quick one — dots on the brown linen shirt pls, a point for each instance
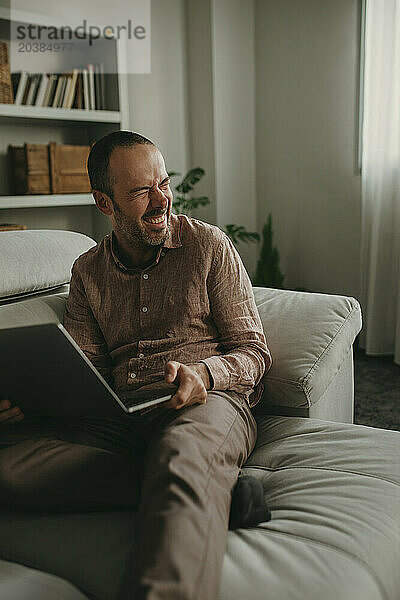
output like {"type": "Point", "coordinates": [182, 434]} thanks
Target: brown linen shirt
{"type": "Point", "coordinates": [194, 303]}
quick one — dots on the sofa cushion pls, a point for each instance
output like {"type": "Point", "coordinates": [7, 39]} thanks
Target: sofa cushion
{"type": "Point", "coordinates": [334, 494]}
{"type": "Point", "coordinates": [34, 311]}
{"type": "Point", "coordinates": [309, 336]}
{"type": "Point", "coordinates": [36, 260]}
{"type": "Point", "coordinates": [18, 582]}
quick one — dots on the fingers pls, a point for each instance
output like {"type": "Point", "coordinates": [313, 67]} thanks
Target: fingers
{"type": "Point", "coordinates": [15, 419]}
{"type": "Point", "coordinates": [4, 404]}
{"type": "Point", "coordinates": [171, 370]}
{"type": "Point", "coordinates": [9, 414]}
{"type": "Point", "coordinates": [191, 388]}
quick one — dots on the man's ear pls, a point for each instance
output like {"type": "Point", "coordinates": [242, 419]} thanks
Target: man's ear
{"type": "Point", "coordinates": [103, 202]}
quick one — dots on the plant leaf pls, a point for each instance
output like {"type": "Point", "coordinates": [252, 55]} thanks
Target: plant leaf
{"type": "Point", "coordinates": [189, 181]}
{"type": "Point", "coordinates": [237, 233]}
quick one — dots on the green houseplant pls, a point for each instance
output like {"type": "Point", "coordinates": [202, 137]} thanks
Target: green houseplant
{"type": "Point", "coordinates": [268, 273]}
{"type": "Point", "coordinates": [184, 202]}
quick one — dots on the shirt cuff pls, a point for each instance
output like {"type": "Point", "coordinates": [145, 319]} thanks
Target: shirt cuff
{"type": "Point", "coordinates": [219, 375]}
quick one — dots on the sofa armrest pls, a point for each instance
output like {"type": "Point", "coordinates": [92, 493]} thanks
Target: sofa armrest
{"type": "Point", "coordinates": [310, 337]}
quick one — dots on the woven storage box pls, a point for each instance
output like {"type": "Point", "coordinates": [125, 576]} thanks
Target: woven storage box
{"type": "Point", "coordinates": [68, 169]}
{"type": "Point", "coordinates": [29, 166]}
{"type": "Point", "coordinates": [6, 92]}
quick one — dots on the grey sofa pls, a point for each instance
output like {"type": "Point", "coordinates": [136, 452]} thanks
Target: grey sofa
{"type": "Point", "coordinates": [333, 487]}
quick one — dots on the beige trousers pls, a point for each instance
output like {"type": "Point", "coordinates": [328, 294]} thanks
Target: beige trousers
{"type": "Point", "coordinates": [176, 468]}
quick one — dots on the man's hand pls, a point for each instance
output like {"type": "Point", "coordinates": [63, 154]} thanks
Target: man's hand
{"type": "Point", "coordinates": [9, 414]}
{"type": "Point", "coordinates": [192, 381]}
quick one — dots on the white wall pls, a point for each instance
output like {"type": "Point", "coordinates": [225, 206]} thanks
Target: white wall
{"type": "Point", "coordinates": [306, 116]}
{"type": "Point", "coordinates": [201, 101]}
{"type": "Point", "coordinates": [158, 103]}
{"type": "Point", "coordinates": [234, 117]}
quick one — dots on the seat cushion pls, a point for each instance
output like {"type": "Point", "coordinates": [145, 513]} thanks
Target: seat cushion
{"type": "Point", "coordinates": [334, 494]}
{"type": "Point", "coordinates": [18, 582]}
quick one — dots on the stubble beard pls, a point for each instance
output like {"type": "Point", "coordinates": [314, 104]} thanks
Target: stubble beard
{"type": "Point", "coordinates": [135, 234]}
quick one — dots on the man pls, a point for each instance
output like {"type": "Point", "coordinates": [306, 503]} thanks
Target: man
{"type": "Point", "coordinates": [162, 302]}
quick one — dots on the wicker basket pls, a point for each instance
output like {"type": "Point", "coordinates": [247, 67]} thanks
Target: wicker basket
{"type": "Point", "coordinates": [6, 91]}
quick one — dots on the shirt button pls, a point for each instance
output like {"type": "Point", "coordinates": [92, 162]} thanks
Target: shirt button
{"type": "Point", "coordinates": [141, 355]}
{"type": "Point", "coordinates": [145, 276]}
{"type": "Point", "coordinates": [162, 253]}
{"type": "Point", "coordinates": [132, 375]}
{"type": "Point", "coordinates": [144, 309]}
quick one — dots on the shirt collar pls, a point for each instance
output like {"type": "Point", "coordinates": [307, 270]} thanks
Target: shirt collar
{"type": "Point", "coordinates": [173, 241]}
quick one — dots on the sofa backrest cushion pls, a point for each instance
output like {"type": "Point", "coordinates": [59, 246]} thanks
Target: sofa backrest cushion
{"type": "Point", "coordinates": [309, 336]}
{"type": "Point", "coordinates": [37, 261]}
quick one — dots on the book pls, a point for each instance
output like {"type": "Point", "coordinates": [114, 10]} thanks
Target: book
{"type": "Point", "coordinates": [85, 85]}
{"type": "Point", "coordinates": [27, 88]}
{"type": "Point", "coordinates": [21, 87]}
{"type": "Point", "coordinates": [42, 90]}
{"type": "Point", "coordinates": [70, 93]}
{"type": "Point", "coordinates": [64, 78]}
{"type": "Point", "coordinates": [37, 81]}
{"type": "Point", "coordinates": [48, 96]}
{"type": "Point", "coordinates": [92, 100]}
{"type": "Point", "coordinates": [102, 86]}
{"type": "Point", "coordinates": [57, 93]}
{"type": "Point", "coordinates": [97, 91]}
{"type": "Point", "coordinates": [78, 101]}
{"type": "Point", "coordinates": [66, 89]}
{"type": "Point", "coordinates": [31, 91]}
{"type": "Point", "coordinates": [15, 77]}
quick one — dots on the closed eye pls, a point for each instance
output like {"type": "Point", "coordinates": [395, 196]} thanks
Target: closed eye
{"type": "Point", "coordinates": [142, 192]}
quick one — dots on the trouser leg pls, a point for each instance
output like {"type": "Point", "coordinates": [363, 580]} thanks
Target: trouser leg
{"type": "Point", "coordinates": [40, 470]}
{"type": "Point", "coordinates": [191, 467]}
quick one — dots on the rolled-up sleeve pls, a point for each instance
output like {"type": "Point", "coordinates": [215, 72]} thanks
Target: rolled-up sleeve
{"type": "Point", "coordinates": [81, 324]}
{"type": "Point", "coordinates": [246, 357]}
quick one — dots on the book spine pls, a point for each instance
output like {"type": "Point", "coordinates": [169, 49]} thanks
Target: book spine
{"type": "Point", "coordinates": [21, 88]}
{"type": "Point", "coordinates": [72, 88]}
{"type": "Point", "coordinates": [42, 90]}
{"type": "Point", "coordinates": [26, 89]}
{"type": "Point", "coordinates": [92, 100]}
{"type": "Point", "coordinates": [38, 82]}
{"type": "Point", "coordinates": [58, 91]}
{"type": "Point", "coordinates": [102, 87]}
{"type": "Point", "coordinates": [15, 78]}
{"type": "Point", "coordinates": [85, 82]}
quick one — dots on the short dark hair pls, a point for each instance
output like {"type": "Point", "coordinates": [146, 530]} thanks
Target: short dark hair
{"type": "Point", "coordinates": [99, 157]}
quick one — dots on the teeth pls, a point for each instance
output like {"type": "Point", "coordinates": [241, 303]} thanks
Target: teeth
{"type": "Point", "coordinates": [155, 219]}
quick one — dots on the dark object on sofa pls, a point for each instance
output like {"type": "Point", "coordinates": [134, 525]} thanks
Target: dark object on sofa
{"type": "Point", "coordinates": [248, 507]}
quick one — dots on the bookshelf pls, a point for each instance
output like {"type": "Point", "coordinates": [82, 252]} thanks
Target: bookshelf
{"type": "Point", "coordinates": [42, 124]}
{"type": "Point", "coordinates": [46, 200]}
{"type": "Point", "coordinates": [48, 113]}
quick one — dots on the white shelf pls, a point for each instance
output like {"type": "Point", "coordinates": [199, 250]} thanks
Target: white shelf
{"type": "Point", "coordinates": [64, 114]}
{"type": "Point", "coordinates": [41, 201]}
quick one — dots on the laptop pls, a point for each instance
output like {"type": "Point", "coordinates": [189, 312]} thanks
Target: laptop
{"type": "Point", "coordinates": [45, 373]}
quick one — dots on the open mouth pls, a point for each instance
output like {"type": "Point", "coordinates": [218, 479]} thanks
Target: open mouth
{"type": "Point", "coordinates": [158, 222]}
{"type": "Point", "coordinates": [155, 220]}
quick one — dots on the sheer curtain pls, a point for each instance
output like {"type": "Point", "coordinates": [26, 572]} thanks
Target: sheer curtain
{"type": "Point", "coordinates": [380, 252]}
